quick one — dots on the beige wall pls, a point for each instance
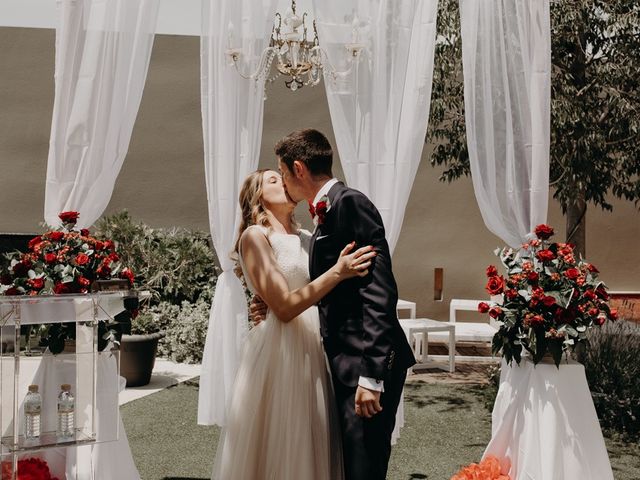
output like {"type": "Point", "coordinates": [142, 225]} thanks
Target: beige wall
{"type": "Point", "coordinates": [162, 179]}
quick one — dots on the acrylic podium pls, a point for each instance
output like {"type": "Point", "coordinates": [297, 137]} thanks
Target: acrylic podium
{"type": "Point", "coordinates": [92, 374]}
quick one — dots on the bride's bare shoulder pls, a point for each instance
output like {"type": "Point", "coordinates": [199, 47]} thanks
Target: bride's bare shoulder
{"type": "Point", "coordinates": [254, 235]}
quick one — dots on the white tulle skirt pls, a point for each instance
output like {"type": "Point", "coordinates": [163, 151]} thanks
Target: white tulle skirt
{"type": "Point", "coordinates": [282, 422]}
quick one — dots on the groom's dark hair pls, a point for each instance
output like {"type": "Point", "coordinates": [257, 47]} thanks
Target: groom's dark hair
{"type": "Point", "coordinates": [308, 146]}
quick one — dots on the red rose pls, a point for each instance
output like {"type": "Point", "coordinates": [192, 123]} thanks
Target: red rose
{"type": "Point", "coordinates": [114, 257]}
{"type": "Point", "coordinates": [544, 232]}
{"type": "Point", "coordinates": [549, 301]}
{"type": "Point", "coordinates": [613, 314]}
{"type": "Point", "coordinates": [82, 259]}
{"type": "Point", "coordinates": [572, 273]}
{"type": "Point", "coordinates": [128, 274]}
{"type": "Point", "coordinates": [545, 255]}
{"type": "Point", "coordinates": [495, 285]}
{"type": "Point", "coordinates": [511, 294]}
{"type": "Point", "coordinates": [21, 268]}
{"type": "Point", "coordinates": [109, 245]}
{"type": "Point", "coordinates": [103, 271]}
{"type": "Point", "coordinates": [56, 236]}
{"type": "Point", "coordinates": [84, 232]}
{"type": "Point", "coordinates": [34, 241]}
{"type": "Point", "coordinates": [492, 271]}
{"type": "Point", "coordinates": [60, 288]}
{"type": "Point", "coordinates": [536, 320]}
{"type": "Point", "coordinates": [592, 268]}
{"type": "Point", "coordinates": [483, 307]}
{"type": "Point", "coordinates": [83, 281]}
{"type": "Point", "coordinates": [495, 312]}
{"type": "Point", "coordinates": [533, 277]}
{"type": "Point", "coordinates": [69, 218]}
{"type": "Point", "coordinates": [594, 311]}
{"type": "Point", "coordinates": [99, 245]}
{"type": "Point", "coordinates": [589, 294]}
{"type": "Point", "coordinates": [50, 257]}
{"type": "Point", "coordinates": [36, 283]}
{"type": "Point", "coordinates": [538, 293]}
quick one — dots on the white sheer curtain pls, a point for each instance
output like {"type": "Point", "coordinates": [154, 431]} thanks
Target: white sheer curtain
{"type": "Point", "coordinates": [506, 54]}
{"type": "Point", "coordinates": [103, 49]}
{"type": "Point", "coordinates": [232, 111]}
{"type": "Point", "coordinates": [380, 110]}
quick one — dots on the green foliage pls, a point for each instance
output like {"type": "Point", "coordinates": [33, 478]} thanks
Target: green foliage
{"type": "Point", "coordinates": [595, 100]}
{"type": "Point", "coordinates": [175, 265]}
{"type": "Point", "coordinates": [186, 330]}
{"type": "Point", "coordinates": [612, 370]}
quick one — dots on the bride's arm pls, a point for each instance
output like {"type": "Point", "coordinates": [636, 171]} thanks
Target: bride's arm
{"type": "Point", "coordinates": [271, 285]}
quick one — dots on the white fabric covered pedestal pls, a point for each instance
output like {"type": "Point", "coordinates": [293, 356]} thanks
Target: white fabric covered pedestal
{"type": "Point", "coordinates": [544, 424]}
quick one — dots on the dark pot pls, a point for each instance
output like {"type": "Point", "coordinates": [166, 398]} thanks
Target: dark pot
{"type": "Point", "coordinates": [137, 357]}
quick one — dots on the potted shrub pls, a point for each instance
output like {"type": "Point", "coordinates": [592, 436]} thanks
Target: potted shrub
{"type": "Point", "coordinates": [138, 349]}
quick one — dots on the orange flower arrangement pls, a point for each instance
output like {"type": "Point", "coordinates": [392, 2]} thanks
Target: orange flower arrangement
{"type": "Point", "coordinates": [487, 469]}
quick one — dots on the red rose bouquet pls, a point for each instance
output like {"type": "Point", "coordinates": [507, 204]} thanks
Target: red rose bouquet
{"type": "Point", "coordinates": [64, 260]}
{"type": "Point", "coordinates": [28, 469]}
{"type": "Point", "coordinates": [549, 299]}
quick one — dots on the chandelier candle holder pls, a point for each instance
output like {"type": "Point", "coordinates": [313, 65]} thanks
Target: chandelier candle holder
{"type": "Point", "coordinates": [301, 60]}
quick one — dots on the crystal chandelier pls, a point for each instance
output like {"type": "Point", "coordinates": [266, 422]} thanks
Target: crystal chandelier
{"type": "Point", "coordinates": [300, 60]}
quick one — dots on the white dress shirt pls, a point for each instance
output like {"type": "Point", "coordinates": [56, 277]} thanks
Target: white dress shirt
{"type": "Point", "coordinates": [366, 382]}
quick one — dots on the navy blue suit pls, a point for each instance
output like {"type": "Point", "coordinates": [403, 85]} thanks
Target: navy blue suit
{"type": "Point", "coordinates": [360, 329]}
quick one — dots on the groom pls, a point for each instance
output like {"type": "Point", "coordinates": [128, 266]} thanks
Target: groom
{"type": "Point", "coordinates": [366, 347]}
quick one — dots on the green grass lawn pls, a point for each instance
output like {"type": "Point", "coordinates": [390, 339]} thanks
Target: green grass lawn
{"type": "Point", "coordinates": [447, 426]}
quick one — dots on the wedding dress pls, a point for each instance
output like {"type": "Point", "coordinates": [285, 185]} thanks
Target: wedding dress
{"type": "Point", "coordinates": [282, 422]}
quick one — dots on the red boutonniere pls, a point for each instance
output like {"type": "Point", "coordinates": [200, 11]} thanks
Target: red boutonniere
{"type": "Point", "coordinates": [319, 210]}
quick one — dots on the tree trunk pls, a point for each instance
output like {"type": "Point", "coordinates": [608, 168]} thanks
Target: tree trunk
{"type": "Point", "coordinates": [577, 225]}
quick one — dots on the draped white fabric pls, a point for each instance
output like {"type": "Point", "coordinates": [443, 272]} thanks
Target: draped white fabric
{"type": "Point", "coordinates": [380, 110]}
{"type": "Point", "coordinates": [103, 49]}
{"type": "Point", "coordinates": [506, 54]}
{"type": "Point", "coordinates": [232, 111]}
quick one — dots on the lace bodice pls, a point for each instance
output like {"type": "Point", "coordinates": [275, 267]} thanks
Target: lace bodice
{"type": "Point", "coordinates": [292, 255]}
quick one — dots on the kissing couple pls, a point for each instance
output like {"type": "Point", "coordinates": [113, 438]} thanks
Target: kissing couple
{"type": "Point", "coordinates": [321, 374]}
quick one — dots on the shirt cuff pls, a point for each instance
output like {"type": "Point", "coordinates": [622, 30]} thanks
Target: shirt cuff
{"type": "Point", "coordinates": [371, 384]}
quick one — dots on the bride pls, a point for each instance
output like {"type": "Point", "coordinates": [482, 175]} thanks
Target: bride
{"type": "Point", "coordinates": [281, 422]}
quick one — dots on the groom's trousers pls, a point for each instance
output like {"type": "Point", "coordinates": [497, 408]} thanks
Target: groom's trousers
{"type": "Point", "coordinates": [366, 442]}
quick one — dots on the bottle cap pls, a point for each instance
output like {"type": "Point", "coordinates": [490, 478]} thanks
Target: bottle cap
{"type": "Point", "coordinates": [33, 388]}
{"type": "Point", "coordinates": [65, 387]}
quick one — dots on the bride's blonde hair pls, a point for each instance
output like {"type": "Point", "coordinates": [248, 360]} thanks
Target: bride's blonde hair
{"type": "Point", "coordinates": [252, 210]}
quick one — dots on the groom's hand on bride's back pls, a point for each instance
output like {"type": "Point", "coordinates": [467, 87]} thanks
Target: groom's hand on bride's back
{"type": "Point", "coordinates": [257, 310]}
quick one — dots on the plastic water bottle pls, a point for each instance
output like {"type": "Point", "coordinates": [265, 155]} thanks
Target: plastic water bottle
{"type": "Point", "coordinates": [32, 409]}
{"type": "Point", "coordinates": [66, 408]}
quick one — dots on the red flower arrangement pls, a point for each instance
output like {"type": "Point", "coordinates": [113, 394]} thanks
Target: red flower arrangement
{"type": "Point", "coordinates": [549, 299]}
{"type": "Point", "coordinates": [28, 469]}
{"type": "Point", "coordinates": [487, 469]}
{"type": "Point", "coordinates": [63, 261]}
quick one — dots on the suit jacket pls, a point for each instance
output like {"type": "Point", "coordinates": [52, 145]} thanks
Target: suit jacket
{"type": "Point", "coordinates": [358, 320]}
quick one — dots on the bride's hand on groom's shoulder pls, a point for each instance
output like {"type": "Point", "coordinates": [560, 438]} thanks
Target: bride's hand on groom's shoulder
{"type": "Point", "coordinates": [354, 264]}
{"type": "Point", "coordinates": [257, 310]}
